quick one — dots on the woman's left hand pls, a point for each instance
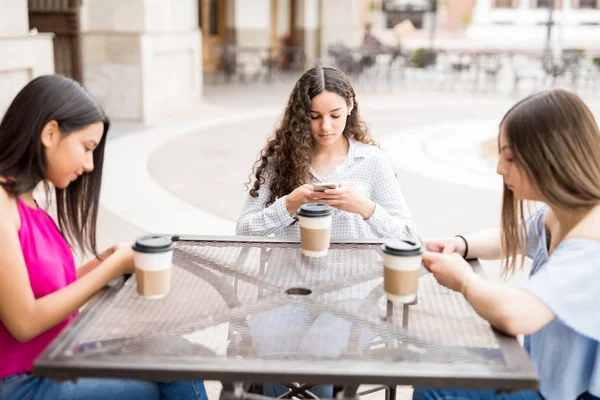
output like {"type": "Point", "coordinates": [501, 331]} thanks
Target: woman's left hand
{"type": "Point", "coordinates": [347, 198]}
{"type": "Point", "coordinates": [450, 270]}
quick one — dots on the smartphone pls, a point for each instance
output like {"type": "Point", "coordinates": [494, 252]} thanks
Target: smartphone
{"type": "Point", "coordinates": [321, 187]}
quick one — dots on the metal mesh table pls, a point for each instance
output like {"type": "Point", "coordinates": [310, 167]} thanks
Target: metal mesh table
{"type": "Point", "coordinates": [256, 309]}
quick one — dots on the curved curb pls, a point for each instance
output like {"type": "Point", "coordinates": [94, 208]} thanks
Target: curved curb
{"type": "Point", "coordinates": [130, 192]}
{"type": "Point", "coordinates": [446, 151]}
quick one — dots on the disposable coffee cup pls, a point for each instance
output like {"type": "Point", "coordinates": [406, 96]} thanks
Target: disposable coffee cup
{"type": "Point", "coordinates": [401, 264]}
{"type": "Point", "coordinates": [152, 260]}
{"type": "Point", "coordinates": [315, 228]}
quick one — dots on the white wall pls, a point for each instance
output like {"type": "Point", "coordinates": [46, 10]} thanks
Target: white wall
{"type": "Point", "coordinates": [112, 16]}
{"type": "Point", "coordinates": [23, 56]}
{"type": "Point", "coordinates": [142, 58]}
{"type": "Point", "coordinates": [13, 17]}
{"type": "Point", "coordinates": [253, 14]}
{"type": "Point", "coordinates": [139, 16]}
{"type": "Point", "coordinates": [341, 22]}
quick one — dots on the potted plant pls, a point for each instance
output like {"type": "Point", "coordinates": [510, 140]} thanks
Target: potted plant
{"type": "Point", "coordinates": [422, 57]}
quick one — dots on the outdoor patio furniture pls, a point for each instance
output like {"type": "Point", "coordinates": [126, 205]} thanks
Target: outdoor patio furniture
{"type": "Point", "coordinates": [527, 68]}
{"type": "Point", "coordinates": [251, 309]}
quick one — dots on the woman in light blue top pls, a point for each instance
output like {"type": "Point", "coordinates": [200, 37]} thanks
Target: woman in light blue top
{"type": "Point", "coordinates": [549, 152]}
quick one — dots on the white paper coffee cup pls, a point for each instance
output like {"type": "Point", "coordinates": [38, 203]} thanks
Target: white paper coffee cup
{"type": "Point", "coordinates": [153, 257]}
{"type": "Point", "coordinates": [402, 263]}
{"type": "Point", "coordinates": [315, 229]}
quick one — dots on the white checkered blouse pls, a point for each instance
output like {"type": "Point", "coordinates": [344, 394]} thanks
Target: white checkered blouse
{"type": "Point", "coordinates": [365, 166]}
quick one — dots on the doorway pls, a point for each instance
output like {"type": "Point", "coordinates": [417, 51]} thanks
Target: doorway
{"type": "Point", "coordinates": [211, 16]}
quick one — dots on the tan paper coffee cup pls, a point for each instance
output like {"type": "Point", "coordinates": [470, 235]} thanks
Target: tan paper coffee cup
{"type": "Point", "coordinates": [153, 256]}
{"type": "Point", "coordinates": [315, 228]}
{"type": "Point", "coordinates": [401, 264]}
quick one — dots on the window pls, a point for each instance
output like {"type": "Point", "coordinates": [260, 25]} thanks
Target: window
{"type": "Point", "coordinates": [587, 4]}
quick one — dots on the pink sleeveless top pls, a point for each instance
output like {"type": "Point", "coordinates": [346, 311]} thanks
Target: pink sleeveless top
{"type": "Point", "coordinates": [51, 266]}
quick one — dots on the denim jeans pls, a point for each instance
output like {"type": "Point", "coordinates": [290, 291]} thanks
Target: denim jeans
{"type": "Point", "coordinates": [321, 391]}
{"type": "Point", "coordinates": [27, 386]}
{"type": "Point", "coordinates": [458, 394]}
{"type": "Point", "coordinates": [444, 394]}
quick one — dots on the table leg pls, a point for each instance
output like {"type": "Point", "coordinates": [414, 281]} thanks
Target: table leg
{"type": "Point", "coordinates": [391, 392]}
{"type": "Point", "coordinates": [303, 390]}
{"type": "Point", "coordinates": [405, 308]}
{"type": "Point", "coordinates": [350, 392]}
{"type": "Point", "coordinates": [232, 390]}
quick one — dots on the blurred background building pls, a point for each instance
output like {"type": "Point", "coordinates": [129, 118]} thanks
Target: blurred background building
{"type": "Point", "coordinates": [142, 58]}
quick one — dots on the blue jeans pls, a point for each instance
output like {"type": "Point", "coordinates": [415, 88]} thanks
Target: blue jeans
{"type": "Point", "coordinates": [432, 394]}
{"type": "Point", "coordinates": [451, 394]}
{"type": "Point", "coordinates": [27, 386]}
{"type": "Point", "coordinates": [321, 391]}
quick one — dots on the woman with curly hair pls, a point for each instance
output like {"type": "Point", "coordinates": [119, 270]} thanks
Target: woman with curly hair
{"type": "Point", "coordinates": [322, 138]}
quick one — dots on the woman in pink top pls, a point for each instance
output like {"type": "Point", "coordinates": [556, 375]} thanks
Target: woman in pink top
{"type": "Point", "coordinates": [54, 132]}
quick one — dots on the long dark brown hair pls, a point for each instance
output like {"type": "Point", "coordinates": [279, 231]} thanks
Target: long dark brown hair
{"type": "Point", "coordinates": [555, 142]}
{"type": "Point", "coordinates": [290, 149]}
{"type": "Point", "coordinates": [23, 157]}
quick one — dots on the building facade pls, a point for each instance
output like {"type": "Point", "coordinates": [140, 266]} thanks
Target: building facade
{"type": "Point", "coordinates": [142, 58]}
{"type": "Point", "coordinates": [312, 25]}
{"type": "Point", "coordinates": [523, 23]}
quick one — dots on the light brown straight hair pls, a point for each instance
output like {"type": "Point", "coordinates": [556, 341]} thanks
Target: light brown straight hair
{"type": "Point", "coordinates": [555, 142]}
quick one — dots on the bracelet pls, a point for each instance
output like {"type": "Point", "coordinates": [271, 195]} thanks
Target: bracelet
{"type": "Point", "coordinates": [465, 284]}
{"type": "Point", "coordinates": [466, 245]}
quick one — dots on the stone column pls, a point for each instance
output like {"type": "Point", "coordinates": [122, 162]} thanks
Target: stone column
{"type": "Point", "coordinates": [23, 55]}
{"type": "Point", "coordinates": [142, 58]}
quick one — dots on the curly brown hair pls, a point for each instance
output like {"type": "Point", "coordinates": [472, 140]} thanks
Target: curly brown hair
{"type": "Point", "coordinates": [287, 155]}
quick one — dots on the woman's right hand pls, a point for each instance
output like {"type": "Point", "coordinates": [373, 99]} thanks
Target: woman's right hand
{"type": "Point", "coordinates": [446, 246]}
{"type": "Point", "coordinates": [123, 252]}
{"type": "Point", "coordinates": [299, 196]}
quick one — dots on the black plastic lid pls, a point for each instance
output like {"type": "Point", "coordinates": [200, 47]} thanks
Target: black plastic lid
{"type": "Point", "coordinates": [153, 244]}
{"type": "Point", "coordinates": [312, 210]}
{"type": "Point", "coordinates": [404, 248]}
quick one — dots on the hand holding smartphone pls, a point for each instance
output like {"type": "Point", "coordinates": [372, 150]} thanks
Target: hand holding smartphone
{"type": "Point", "coordinates": [321, 187]}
